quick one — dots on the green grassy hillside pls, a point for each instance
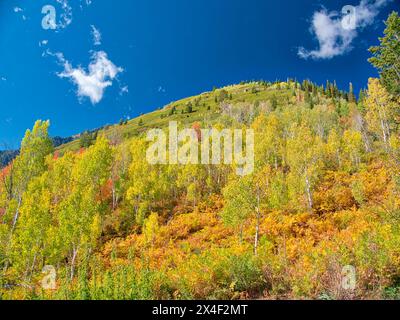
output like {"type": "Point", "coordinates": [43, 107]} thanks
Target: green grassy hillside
{"type": "Point", "coordinates": [204, 107]}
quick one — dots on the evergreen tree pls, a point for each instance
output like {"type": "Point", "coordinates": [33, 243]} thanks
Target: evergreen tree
{"type": "Point", "coordinates": [87, 139]}
{"type": "Point", "coordinates": [386, 56]}
{"type": "Point", "coordinates": [328, 89]}
{"type": "Point", "coordinates": [189, 107]}
{"type": "Point", "coordinates": [274, 102]}
{"type": "Point", "coordinates": [172, 111]}
{"type": "Point", "coordinates": [352, 97]}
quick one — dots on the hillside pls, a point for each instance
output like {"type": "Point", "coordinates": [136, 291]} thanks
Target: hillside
{"type": "Point", "coordinates": [6, 156]}
{"type": "Point", "coordinates": [323, 196]}
{"type": "Point", "coordinates": [284, 186]}
{"type": "Point", "coordinates": [315, 215]}
{"type": "Point", "coordinates": [205, 106]}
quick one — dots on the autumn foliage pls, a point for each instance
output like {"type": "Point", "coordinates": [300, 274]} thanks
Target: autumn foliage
{"type": "Point", "coordinates": [324, 195]}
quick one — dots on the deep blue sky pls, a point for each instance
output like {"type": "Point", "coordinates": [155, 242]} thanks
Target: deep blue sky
{"type": "Point", "coordinates": [168, 50]}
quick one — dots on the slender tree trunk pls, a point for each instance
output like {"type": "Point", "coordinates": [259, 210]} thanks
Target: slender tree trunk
{"type": "Point", "coordinates": [32, 267]}
{"type": "Point", "coordinates": [74, 255]}
{"type": "Point", "coordinates": [366, 141]}
{"type": "Point", "coordinates": [16, 216]}
{"type": "Point", "coordinates": [114, 198]}
{"type": "Point", "coordinates": [384, 133]}
{"type": "Point", "coordinates": [384, 126]}
{"type": "Point", "coordinates": [256, 237]}
{"type": "Point", "coordinates": [15, 220]}
{"type": "Point", "coordinates": [309, 195]}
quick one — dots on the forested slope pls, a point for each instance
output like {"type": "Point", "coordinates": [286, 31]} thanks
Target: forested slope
{"type": "Point", "coordinates": [323, 197]}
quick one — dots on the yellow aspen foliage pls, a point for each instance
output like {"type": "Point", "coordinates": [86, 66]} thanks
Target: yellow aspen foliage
{"type": "Point", "coordinates": [382, 111]}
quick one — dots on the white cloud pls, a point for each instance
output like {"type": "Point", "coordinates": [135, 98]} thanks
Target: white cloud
{"type": "Point", "coordinates": [124, 89]}
{"type": "Point", "coordinates": [96, 36]}
{"type": "Point", "coordinates": [86, 2]}
{"type": "Point", "coordinates": [92, 83]}
{"type": "Point", "coordinates": [333, 38]}
{"type": "Point", "coordinates": [3, 79]}
{"type": "Point", "coordinates": [43, 43]}
{"type": "Point", "coordinates": [67, 12]}
{"type": "Point", "coordinates": [20, 11]}
{"type": "Point", "coordinates": [66, 15]}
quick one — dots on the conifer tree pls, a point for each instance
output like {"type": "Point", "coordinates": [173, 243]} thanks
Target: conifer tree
{"type": "Point", "coordinates": [386, 56]}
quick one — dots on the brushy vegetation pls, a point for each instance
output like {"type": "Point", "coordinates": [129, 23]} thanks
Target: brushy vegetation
{"type": "Point", "coordinates": [325, 193]}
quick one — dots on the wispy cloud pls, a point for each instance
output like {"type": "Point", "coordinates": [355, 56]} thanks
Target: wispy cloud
{"type": "Point", "coordinates": [335, 40]}
{"type": "Point", "coordinates": [19, 10]}
{"type": "Point", "coordinates": [43, 43]}
{"type": "Point", "coordinates": [66, 15]}
{"type": "Point", "coordinates": [124, 90]}
{"type": "Point", "coordinates": [93, 82]}
{"type": "Point", "coordinates": [96, 36]}
{"type": "Point", "coordinates": [86, 2]}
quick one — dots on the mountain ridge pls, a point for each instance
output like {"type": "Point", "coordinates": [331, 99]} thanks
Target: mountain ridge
{"type": "Point", "coordinates": [208, 104]}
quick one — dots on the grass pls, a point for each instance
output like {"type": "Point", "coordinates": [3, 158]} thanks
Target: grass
{"type": "Point", "coordinates": [206, 108]}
